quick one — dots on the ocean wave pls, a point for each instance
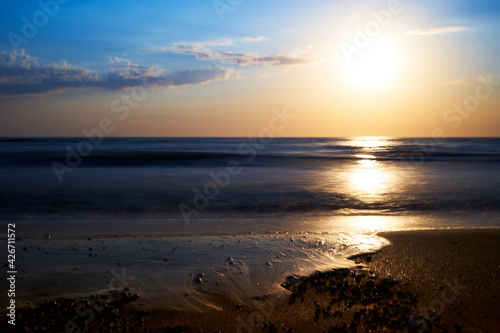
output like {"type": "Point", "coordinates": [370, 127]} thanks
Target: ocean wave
{"type": "Point", "coordinates": [156, 175]}
{"type": "Point", "coordinates": [151, 158]}
{"type": "Point", "coordinates": [127, 202]}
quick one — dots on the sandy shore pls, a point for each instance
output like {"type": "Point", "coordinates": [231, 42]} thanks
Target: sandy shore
{"type": "Point", "coordinates": [440, 280]}
{"type": "Point", "coordinates": [457, 272]}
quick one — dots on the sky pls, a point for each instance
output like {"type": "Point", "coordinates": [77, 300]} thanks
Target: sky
{"type": "Point", "coordinates": [224, 68]}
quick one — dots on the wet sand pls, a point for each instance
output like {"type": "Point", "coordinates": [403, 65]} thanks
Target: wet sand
{"type": "Point", "coordinates": [440, 280]}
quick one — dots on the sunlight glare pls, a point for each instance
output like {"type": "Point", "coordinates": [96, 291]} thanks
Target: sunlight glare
{"type": "Point", "coordinates": [368, 180]}
{"type": "Point", "coordinates": [374, 68]}
{"type": "Point", "coordinates": [369, 143]}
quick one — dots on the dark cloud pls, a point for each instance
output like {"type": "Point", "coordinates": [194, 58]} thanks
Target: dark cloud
{"type": "Point", "coordinates": [21, 74]}
{"type": "Point", "coordinates": [200, 76]}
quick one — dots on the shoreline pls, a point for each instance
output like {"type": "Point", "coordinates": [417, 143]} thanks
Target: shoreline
{"type": "Point", "coordinates": [454, 272]}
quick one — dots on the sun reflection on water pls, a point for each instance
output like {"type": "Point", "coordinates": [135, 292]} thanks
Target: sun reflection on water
{"type": "Point", "coordinates": [365, 175]}
{"type": "Point", "coordinates": [372, 222]}
{"type": "Point", "coordinates": [369, 143]}
{"type": "Point", "coordinates": [369, 178]}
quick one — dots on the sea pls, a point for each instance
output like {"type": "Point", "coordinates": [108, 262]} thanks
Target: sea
{"type": "Point", "coordinates": [185, 218]}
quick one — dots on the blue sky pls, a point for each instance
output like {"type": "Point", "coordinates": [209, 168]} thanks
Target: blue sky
{"type": "Point", "coordinates": [263, 54]}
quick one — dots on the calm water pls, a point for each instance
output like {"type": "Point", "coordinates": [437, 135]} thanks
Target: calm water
{"type": "Point", "coordinates": [154, 176]}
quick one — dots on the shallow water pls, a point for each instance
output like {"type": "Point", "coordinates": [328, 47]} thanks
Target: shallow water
{"type": "Point", "coordinates": [164, 270]}
{"type": "Point", "coordinates": [163, 258]}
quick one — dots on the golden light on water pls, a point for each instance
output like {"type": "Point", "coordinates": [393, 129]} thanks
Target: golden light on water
{"type": "Point", "coordinates": [371, 222]}
{"type": "Point", "coordinates": [365, 156]}
{"type": "Point", "coordinates": [369, 143]}
{"type": "Point", "coordinates": [366, 178]}
{"type": "Point", "coordinates": [369, 179]}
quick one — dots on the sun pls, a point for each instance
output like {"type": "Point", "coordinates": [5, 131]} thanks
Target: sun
{"type": "Point", "coordinates": [374, 68]}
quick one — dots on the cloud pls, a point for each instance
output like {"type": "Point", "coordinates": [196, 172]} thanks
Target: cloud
{"type": "Point", "coordinates": [200, 51]}
{"type": "Point", "coordinates": [21, 74]}
{"type": "Point", "coordinates": [493, 79]}
{"type": "Point", "coordinates": [247, 59]}
{"type": "Point", "coordinates": [435, 31]}
{"type": "Point", "coordinates": [217, 42]}
{"type": "Point", "coordinates": [201, 76]}
{"type": "Point", "coordinates": [254, 38]}
{"type": "Point", "coordinates": [117, 59]}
